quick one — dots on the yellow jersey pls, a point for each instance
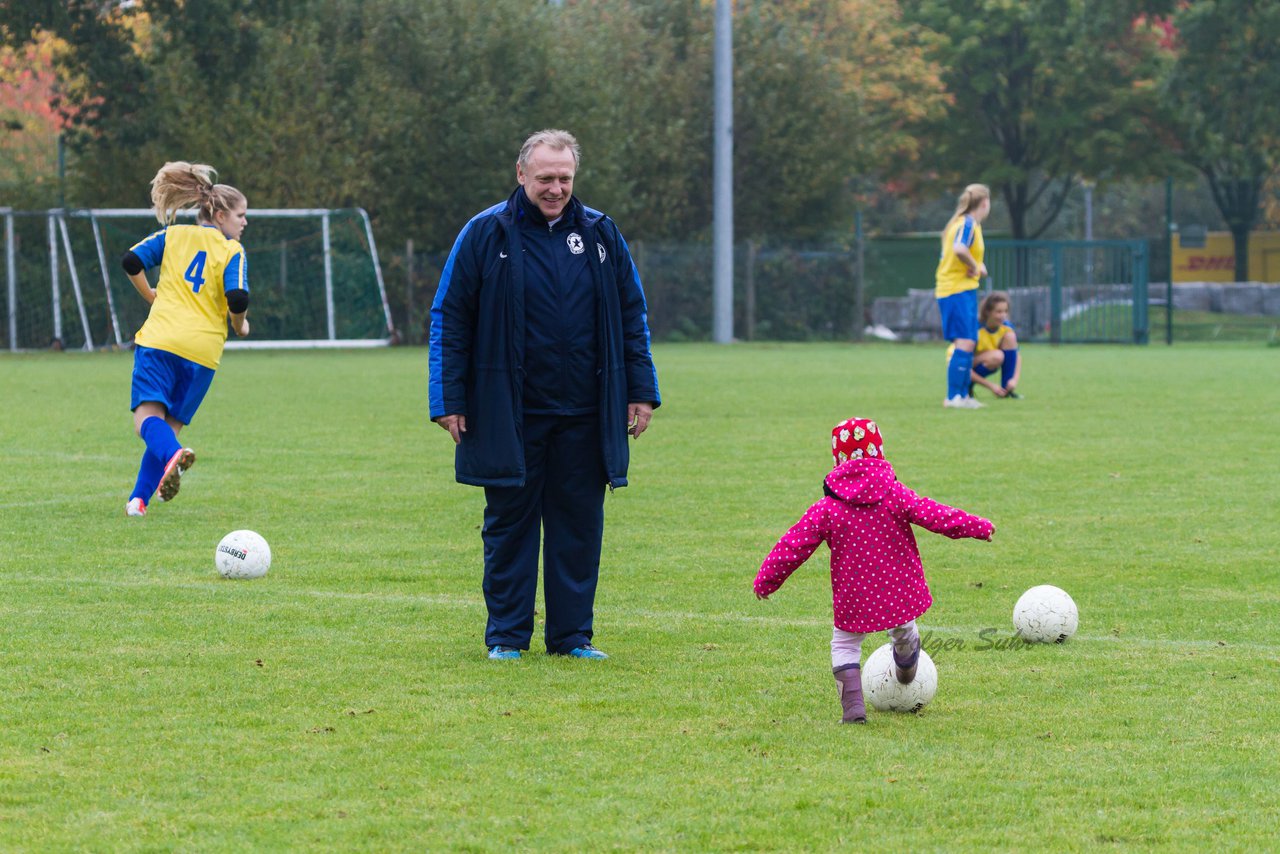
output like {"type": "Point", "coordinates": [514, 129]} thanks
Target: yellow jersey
{"type": "Point", "coordinates": [987, 340]}
{"type": "Point", "coordinates": [198, 265]}
{"type": "Point", "coordinates": [953, 276]}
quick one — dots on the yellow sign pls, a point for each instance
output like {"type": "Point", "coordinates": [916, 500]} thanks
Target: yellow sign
{"type": "Point", "coordinates": [1215, 261]}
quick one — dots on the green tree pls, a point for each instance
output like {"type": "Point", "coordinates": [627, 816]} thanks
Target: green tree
{"type": "Point", "coordinates": [828, 91]}
{"type": "Point", "coordinates": [415, 108]}
{"type": "Point", "coordinates": [823, 90]}
{"type": "Point", "coordinates": [1045, 92]}
{"type": "Point", "coordinates": [1223, 89]}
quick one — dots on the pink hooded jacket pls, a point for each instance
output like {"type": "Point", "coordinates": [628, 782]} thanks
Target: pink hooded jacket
{"type": "Point", "coordinates": [877, 580]}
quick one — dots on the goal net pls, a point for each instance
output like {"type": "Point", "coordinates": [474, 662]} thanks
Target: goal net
{"type": "Point", "coordinates": [314, 275]}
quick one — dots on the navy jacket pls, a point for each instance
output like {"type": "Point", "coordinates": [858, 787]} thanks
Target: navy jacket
{"type": "Point", "coordinates": [561, 314]}
{"type": "Point", "coordinates": [477, 345]}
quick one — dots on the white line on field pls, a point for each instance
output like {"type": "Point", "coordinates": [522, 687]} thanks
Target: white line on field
{"type": "Point", "coordinates": [65, 499]}
{"type": "Point", "coordinates": [77, 457]}
{"type": "Point", "coordinates": [966, 633]}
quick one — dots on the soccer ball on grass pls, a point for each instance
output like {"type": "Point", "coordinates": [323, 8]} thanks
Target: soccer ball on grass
{"type": "Point", "coordinates": [242, 554]}
{"type": "Point", "coordinates": [1045, 614]}
{"type": "Point", "coordinates": [884, 692]}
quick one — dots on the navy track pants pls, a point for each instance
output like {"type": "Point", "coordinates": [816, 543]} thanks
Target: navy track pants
{"type": "Point", "coordinates": [561, 502]}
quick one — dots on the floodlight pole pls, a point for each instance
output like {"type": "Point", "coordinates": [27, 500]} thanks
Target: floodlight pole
{"type": "Point", "coordinates": [1169, 228]}
{"type": "Point", "coordinates": [11, 268]}
{"type": "Point", "coordinates": [722, 321]}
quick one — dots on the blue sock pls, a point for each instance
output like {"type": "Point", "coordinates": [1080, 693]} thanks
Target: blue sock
{"type": "Point", "coordinates": [161, 441]}
{"type": "Point", "coordinates": [149, 473]}
{"type": "Point", "coordinates": [982, 370]}
{"type": "Point", "coordinates": [1009, 367]}
{"type": "Point", "coordinates": [958, 373]}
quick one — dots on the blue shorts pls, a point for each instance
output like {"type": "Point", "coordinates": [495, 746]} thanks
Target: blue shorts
{"type": "Point", "coordinates": [960, 315]}
{"type": "Point", "coordinates": [161, 377]}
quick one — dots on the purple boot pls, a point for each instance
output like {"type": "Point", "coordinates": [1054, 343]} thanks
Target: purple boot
{"type": "Point", "coordinates": [905, 667]}
{"type": "Point", "coordinates": [849, 681]}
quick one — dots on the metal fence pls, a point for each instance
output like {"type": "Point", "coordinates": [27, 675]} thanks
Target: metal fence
{"type": "Point", "coordinates": [1074, 291]}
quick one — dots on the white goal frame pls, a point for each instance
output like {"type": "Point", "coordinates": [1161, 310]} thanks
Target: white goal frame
{"type": "Point", "coordinates": [58, 234]}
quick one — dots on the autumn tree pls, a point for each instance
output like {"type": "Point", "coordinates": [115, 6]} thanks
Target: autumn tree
{"type": "Point", "coordinates": [825, 91]}
{"type": "Point", "coordinates": [29, 123]}
{"type": "Point", "coordinates": [99, 93]}
{"type": "Point", "coordinates": [1046, 92]}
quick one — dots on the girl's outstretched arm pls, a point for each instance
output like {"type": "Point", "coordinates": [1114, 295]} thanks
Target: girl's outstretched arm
{"type": "Point", "coordinates": [949, 521]}
{"type": "Point", "coordinates": [791, 551]}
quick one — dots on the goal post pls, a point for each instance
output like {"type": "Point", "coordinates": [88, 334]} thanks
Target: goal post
{"type": "Point", "coordinates": [314, 274]}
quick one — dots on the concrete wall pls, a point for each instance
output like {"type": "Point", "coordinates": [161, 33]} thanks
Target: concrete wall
{"type": "Point", "coordinates": [917, 313]}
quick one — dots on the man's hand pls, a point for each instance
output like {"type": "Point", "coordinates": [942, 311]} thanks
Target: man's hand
{"type": "Point", "coordinates": [240, 323]}
{"type": "Point", "coordinates": [455, 425]}
{"type": "Point", "coordinates": [638, 416]}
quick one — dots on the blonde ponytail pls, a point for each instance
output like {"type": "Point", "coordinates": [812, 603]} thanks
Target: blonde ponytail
{"type": "Point", "coordinates": [180, 185]}
{"type": "Point", "coordinates": [970, 199]}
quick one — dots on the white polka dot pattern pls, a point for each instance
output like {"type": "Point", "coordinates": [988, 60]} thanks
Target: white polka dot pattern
{"type": "Point", "coordinates": [877, 580]}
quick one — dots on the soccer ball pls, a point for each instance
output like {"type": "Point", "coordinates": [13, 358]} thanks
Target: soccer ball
{"type": "Point", "coordinates": [1045, 614]}
{"type": "Point", "coordinates": [882, 689]}
{"type": "Point", "coordinates": [242, 554]}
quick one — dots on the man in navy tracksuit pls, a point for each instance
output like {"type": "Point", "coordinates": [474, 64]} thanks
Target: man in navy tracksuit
{"type": "Point", "coordinates": [540, 367]}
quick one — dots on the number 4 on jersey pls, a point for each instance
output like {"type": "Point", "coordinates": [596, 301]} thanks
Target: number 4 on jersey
{"type": "Point", "coordinates": [195, 272]}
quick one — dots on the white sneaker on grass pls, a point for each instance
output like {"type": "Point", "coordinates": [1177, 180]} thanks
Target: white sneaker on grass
{"type": "Point", "coordinates": [959, 402]}
{"type": "Point", "coordinates": [135, 507]}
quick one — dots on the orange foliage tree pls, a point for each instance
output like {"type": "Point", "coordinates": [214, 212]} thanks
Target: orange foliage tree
{"type": "Point", "coordinates": [29, 121]}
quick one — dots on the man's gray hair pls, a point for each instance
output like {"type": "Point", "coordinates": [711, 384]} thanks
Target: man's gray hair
{"type": "Point", "coordinates": [557, 139]}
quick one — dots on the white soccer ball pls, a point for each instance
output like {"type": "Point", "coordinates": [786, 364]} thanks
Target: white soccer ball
{"type": "Point", "coordinates": [242, 554]}
{"type": "Point", "coordinates": [1045, 614]}
{"type": "Point", "coordinates": [882, 689]}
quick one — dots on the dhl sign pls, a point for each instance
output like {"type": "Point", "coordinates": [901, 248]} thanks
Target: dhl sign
{"type": "Point", "coordinates": [1215, 261]}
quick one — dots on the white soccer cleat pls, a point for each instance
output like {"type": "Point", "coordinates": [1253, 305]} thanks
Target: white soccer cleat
{"type": "Point", "coordinates": [959, 402]}
{"type": "Point", "coordinates": [135, 507]}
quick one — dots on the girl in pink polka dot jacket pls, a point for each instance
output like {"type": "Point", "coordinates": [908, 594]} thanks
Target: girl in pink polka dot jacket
{"type": "Point", "coordinates": [877, 580]}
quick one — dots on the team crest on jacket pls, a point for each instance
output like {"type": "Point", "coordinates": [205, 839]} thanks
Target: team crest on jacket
{"type": "Point", "coordinates": [603, 254]}
{"type": "Point", "coordinates": [576, 245]}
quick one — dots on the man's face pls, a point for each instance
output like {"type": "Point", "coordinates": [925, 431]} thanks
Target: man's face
{"type": "Point", "coordinates": [548, 179]}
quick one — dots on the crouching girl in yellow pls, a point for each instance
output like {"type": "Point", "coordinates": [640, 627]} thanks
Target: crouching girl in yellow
{"type": "Point", "coordinates": [997, 349]}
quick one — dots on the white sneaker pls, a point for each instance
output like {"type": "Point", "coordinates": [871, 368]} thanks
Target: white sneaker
{"type": "Point", "coordinates": [959, 402]}
{"type": "Point", "coordinates": [135, 507]}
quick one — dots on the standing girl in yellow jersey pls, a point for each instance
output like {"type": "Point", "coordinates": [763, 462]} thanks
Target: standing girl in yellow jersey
{"type": "Point", "coordinates": [203, 280]}
{"type": "Point", "coordinates": [960, 271]}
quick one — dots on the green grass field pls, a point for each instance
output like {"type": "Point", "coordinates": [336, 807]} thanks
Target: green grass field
{"type": "Point", "coordinates": [344, 702]}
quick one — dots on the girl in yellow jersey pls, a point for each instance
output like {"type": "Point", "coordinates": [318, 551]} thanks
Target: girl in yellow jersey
{"type": "Point", "coordinates": [203, 280]}
{"type": "Point", "coordinates": [960, 271]}
{"type": "Point", "coordinates": [997, 348]}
